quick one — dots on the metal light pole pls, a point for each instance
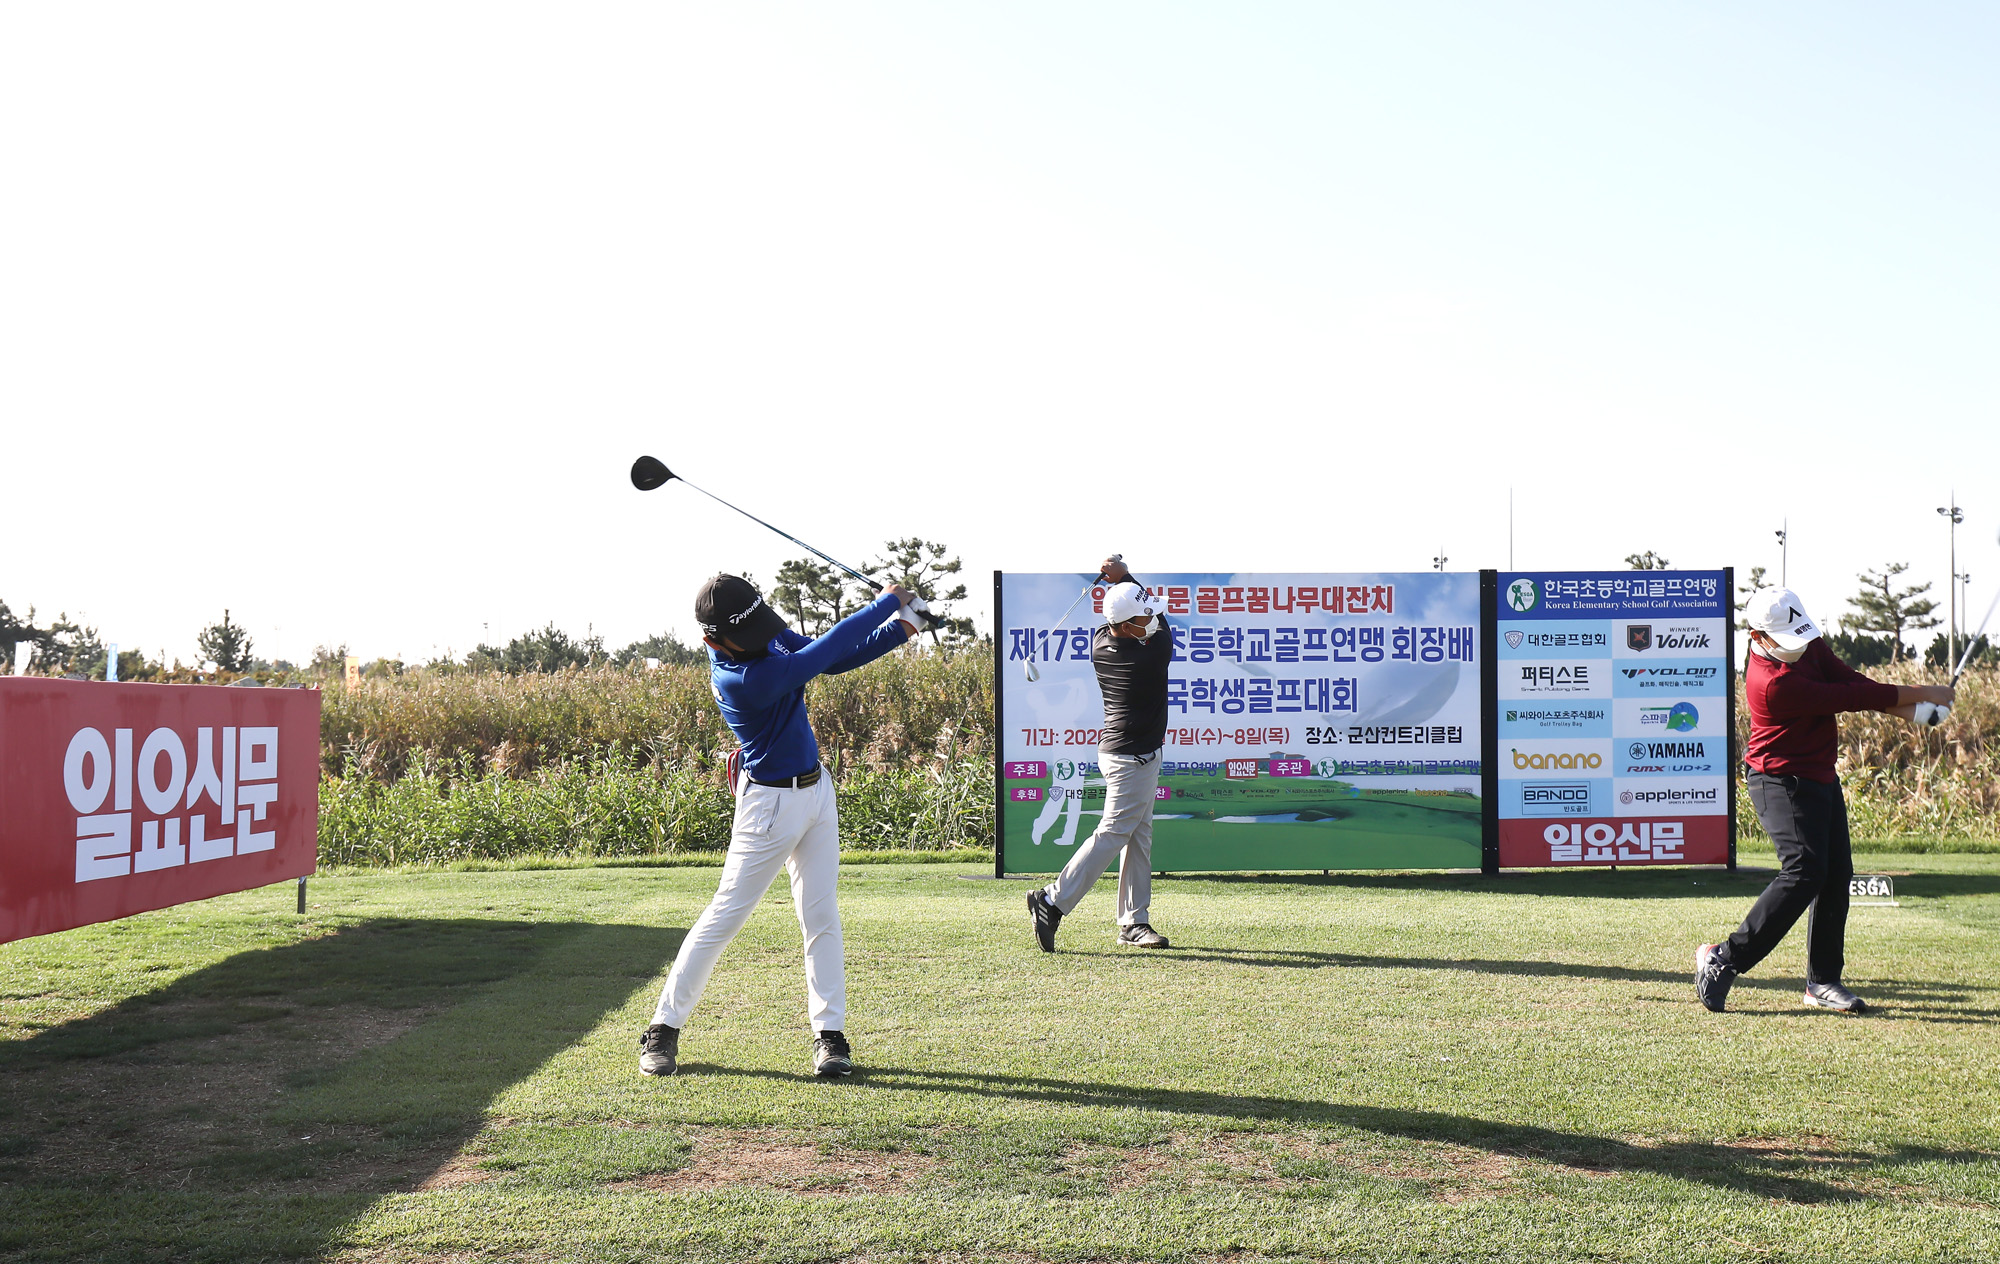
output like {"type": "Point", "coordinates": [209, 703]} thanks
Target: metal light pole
{"type": "Point", "coordinates": [1784, 555]}
{"type": "Point", "coordinates": [1954, 515]}
{"type": "Point", "coordinates": [1439, 561]}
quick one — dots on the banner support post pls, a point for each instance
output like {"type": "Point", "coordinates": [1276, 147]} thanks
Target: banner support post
{"type": "Point", "coordinates": [999, 736]}
{"type": "Point", "coordinates": [302, 896]}
{"type": "Point", "coordinates": [1489, 723]}
{"type": "Point", "coordinates": [1729, 679]}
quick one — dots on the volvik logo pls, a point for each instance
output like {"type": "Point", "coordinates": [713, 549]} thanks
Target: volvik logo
{"type": "Point", "coordinates": [1641, 637]}
{"type": "Point", "coordinates": [1558, 761]}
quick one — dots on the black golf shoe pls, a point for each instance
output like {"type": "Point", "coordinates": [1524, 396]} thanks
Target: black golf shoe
{"type": "Point", "coordinates": [1047, 917]}
{"type": "Point", "coordinates": [1712, 977]}
{"type": "Point", "coordinates": [1140, 935]}
{"type": "Point", "coordinates": [659, 1048]}
{"type": "Point", "coordinates": [831, 1055]}
{"type": "Point", "coordinates": [1834, 997]}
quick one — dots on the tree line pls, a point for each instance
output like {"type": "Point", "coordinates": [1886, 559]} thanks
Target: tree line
{"type": "Point", "coordinates": [812, 594]}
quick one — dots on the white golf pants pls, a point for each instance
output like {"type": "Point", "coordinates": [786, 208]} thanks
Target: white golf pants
{"type": "Point", "coordinates": [1130, 783]}
{"type": "Point", "coordinates": [798, 830]}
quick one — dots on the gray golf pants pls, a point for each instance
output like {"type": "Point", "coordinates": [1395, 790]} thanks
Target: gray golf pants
{"type": "Point", "coordinates": [1131, 782]}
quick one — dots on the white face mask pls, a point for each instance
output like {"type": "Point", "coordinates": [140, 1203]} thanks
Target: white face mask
{"type": "Point", "coordinates": [1779, 652]}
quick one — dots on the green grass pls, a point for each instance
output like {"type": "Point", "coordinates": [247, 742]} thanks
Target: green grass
{"type": "Point", "coordinates": [441, 1065]}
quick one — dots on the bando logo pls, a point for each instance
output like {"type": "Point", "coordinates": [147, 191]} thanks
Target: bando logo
{"type": "Point", "coordinates": [1560, 761]}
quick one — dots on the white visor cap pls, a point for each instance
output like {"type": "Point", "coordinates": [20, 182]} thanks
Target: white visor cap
{"type": "Point", "coordinates": [1779, 612]}
{"type": "Point", "coordinates": [1128, 601]}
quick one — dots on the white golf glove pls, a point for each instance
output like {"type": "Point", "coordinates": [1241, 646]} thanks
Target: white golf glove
{"type": "Point", "coordinates": [917, 613]}
{"type": "Point", "coordinates": [1930, 714]}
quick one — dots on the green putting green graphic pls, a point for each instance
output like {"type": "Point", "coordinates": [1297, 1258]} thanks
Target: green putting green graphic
{"type": "Point", "coordinates": [1211, 821]}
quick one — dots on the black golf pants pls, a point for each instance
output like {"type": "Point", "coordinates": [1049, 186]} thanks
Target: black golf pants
{"type": "Point", "coordinates": [1807, 820]}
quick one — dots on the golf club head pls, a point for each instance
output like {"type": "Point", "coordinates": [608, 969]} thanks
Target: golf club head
{"type": "Point", "coordinates": [648, 473]}
{"type": "Point", "coordinates": [1034, 673]}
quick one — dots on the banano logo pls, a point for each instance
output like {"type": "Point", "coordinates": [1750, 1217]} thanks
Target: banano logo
{"type": "Point", "coordinates": [1562, 761]}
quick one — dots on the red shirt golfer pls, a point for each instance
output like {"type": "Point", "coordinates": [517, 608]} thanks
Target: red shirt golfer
{"type": "Point", "coordinates": [1795, 686]}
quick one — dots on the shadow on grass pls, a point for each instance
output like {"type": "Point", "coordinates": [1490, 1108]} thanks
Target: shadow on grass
{"type": "Point", "coordinates": [1604, 884]}
{"type": "Point", "coordinates": [253, 1108]}
{"type": "Point", "coordinates": [1931, 1001]}
{"type": "Point", "coordinates": [1802, 1174]}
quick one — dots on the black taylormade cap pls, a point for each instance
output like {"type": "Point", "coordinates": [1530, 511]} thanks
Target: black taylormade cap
{"type": "Point", "coordinates": [728, 606]}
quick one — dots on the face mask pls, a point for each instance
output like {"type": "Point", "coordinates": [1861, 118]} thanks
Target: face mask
{"type": "Point", "coordinates": [1780, 653]}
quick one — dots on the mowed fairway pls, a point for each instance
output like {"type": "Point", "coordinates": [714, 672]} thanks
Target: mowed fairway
{"type": "Point", "coordinates": [442, 1066]}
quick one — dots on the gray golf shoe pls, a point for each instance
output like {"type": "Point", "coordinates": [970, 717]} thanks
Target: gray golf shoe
{"type": "Point", "coordinates": [1141, 935]}
{"type": "Point", "coordinates": [1712, 977]}
{"type": "Point", "coordinates": [1834, 997]}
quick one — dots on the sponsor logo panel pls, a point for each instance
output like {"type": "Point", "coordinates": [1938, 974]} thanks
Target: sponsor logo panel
{"type": "Point", "coordinates": [1671, 716]}
{"type": "Point", "coordinates": [1659, 795]}
{"type": "Point", "coordinates": [1566, 798]}
{"type": "Point", "coordinates": [1583, 718]}
{"type": "Point", "coordinates": [1665, 756]}
{"type": "Point", "coordinates": [1656, 840]}
{"type": "Point", "coordinates": [1566, 638]}
{"type": "Point", "coordinates": [1668, 638]}
{"type": "Point", "coordinates": [1542, 678]}
{"type": "Point", "coordinates": [1664, 677]}
{"type": "Point", "coordinates": [1522, 758]}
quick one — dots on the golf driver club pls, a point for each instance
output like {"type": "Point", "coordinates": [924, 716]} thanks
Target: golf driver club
{"type": "Point", "coordinates": [1937, 714]}
{"type": "Point", "coordinates": [1028, 667]}
{"type": "Point", "coordinates": [650, 472]}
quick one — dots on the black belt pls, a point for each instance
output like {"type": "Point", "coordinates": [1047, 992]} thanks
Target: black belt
{"type": "Point", "coordinates": [799, 782]}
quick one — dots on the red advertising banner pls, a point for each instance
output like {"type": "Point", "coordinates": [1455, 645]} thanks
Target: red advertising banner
{"type": "Point", "coordinates": [1625, 840]}
{"type": "Point", "coordinates": [118, 799]}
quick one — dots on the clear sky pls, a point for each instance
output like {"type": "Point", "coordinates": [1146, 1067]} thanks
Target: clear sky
{"type": "Point", "coordinates": [351, 318]}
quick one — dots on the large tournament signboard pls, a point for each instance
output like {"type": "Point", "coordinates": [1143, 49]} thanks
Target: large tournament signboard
{"type": "Point", "coordinates": [117, 799]}
{"type": "Point", "coordinates": [1316, 721]}
{"type": "Point", "coordinates": [1614, 706]}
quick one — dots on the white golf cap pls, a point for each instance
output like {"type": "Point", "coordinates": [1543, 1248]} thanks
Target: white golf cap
{"type": "Point", "coordinates": [1779, 612]}
{"type": "Point", "coordinates": [1128, 601]}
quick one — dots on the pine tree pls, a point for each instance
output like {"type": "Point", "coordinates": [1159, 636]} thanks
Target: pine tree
{"type": "Point", "coordinates": [226, 644]}
{"type": "Point", "coordinates": [923, 567]}
{"type": "Point", "coordinates": [813, 594]}
{"type": "Point", "coordinates": [1882, 610]}
{"type": "Point", "coordinates": [1748, 590]}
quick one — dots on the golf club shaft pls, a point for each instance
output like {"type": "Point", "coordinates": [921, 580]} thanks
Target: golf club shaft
{"type": "Point", "coordinates": [794, 539]}
{"type": "Point", "coordinates": [1072, 605]}
{"type": "Point", "coordinates": [1966, 657]}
